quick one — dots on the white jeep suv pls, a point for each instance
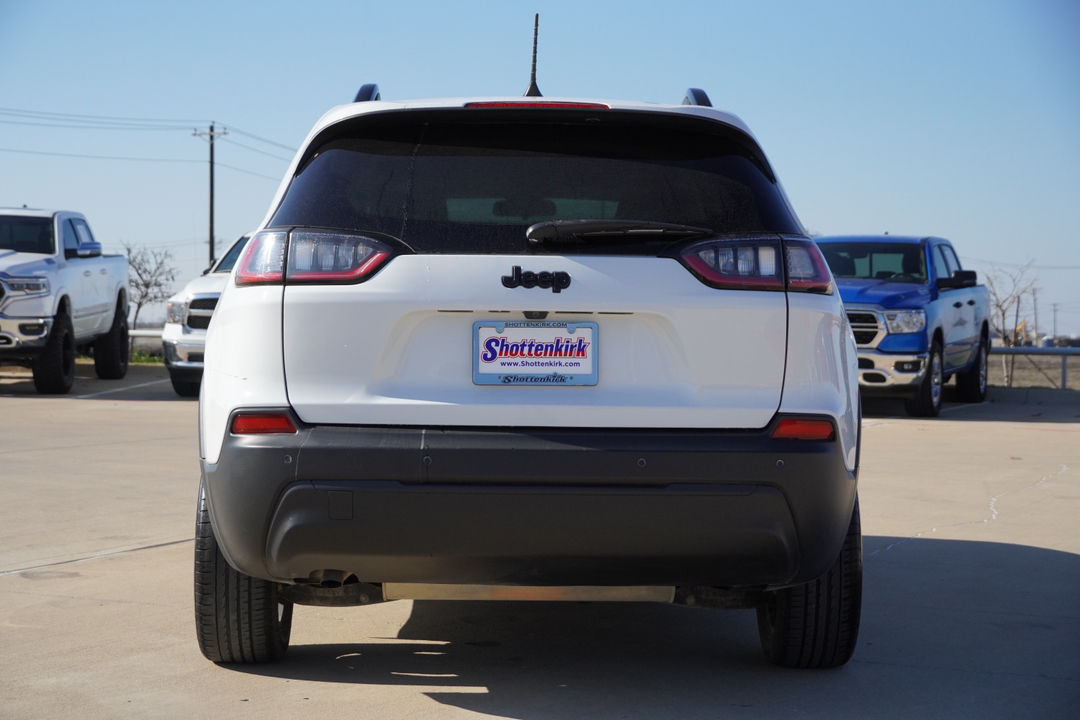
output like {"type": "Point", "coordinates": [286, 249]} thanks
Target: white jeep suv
{"type": "Point", "coordinates": [534, 349]}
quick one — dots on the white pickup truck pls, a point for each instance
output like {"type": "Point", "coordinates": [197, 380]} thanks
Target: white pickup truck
{"type": "Point", "coordinates": [58, 293]}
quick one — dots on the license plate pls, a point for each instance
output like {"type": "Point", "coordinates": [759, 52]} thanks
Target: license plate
{"type": "Point", "coordinates": [534, 353]}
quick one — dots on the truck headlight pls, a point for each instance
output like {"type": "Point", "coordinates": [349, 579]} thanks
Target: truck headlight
{"type": "Point", "coordinates": [177, 309]}
{"type": "Point", "coordinates": [905, 321]}
{"type": "Point", "coordinates": [28, 286]}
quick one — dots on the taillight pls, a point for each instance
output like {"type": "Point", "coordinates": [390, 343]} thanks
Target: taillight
{"type": "Point", "coordinates": [324, 257]}
{"type": "Point", "coordinates": [262, 424]}
{"type": "Point", "coordinates": [743, 264]}
{"type": "Point", "coordinates": [806, 267]}
{"type": "Point", "coordinates": [759, 264]}
{"type": "Point", "coordinates": [263, 261]}
{"type": "Point", "coordinates": [803, 429]}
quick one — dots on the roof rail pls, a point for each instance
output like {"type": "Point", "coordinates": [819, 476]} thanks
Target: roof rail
{"type": "Point", "coordinates": [696, 96]}
{"type": "Point", "coordinates": [368, 93]}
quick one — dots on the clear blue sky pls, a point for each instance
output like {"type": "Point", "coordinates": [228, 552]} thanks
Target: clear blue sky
{"type": "Point", "coordinates": [959, 119]}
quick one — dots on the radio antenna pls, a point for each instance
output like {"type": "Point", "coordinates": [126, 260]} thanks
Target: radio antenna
{"type": "Point", "coordinates": [534, 91]}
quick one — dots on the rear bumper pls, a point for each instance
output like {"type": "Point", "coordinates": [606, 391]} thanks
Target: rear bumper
{"type": "Point", "coordinates": [531, 507]}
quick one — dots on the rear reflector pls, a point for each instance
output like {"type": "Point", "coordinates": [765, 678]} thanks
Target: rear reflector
{"type": "Point", "coordinates": [793, 429]}
{"type": "Point", "coordinates": [262, 424]}
{"type": "Point", "coordinates": [549, 105]}
{"type": "Point", "coordinates": [263, 261]}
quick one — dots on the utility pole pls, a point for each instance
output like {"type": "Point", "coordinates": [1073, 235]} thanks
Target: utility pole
{"type": "Point", "coordinates": [1035, 301]}
{"type": "Point", "coordinates": [211, 135]}
{"type": "Point", "coordinates": [1054, 306]}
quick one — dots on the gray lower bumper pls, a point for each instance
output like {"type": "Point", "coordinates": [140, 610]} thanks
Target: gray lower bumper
{"type": "Point", "coordinates": [531, 507]}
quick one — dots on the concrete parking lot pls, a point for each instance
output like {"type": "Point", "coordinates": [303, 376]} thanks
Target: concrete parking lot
{"type": "Point", "coordinates": [971, 610]}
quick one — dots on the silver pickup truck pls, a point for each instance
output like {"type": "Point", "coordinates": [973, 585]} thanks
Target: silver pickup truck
{"type": "Point", "coordinates": [59, 293]}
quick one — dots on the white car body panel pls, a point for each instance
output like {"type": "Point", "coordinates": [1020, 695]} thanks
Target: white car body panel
{"type": "Point", "coordinates": [382, 352]}
{"type": "Point", "coordinates": [243, 361]}
{"type": "Point", "coordinates": [822, 366]}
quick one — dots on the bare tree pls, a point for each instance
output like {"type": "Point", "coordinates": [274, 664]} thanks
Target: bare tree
{"type": "Point", "coordinates": [150, 277]}
{"type": "Point", "coordinates": [1007, 290]}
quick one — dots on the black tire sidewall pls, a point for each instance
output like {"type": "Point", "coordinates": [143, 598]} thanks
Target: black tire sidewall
{"type": "Point", "coordinates": [54, 370]}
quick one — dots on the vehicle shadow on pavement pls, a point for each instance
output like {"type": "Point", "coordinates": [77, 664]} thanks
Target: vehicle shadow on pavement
{"type": "Point", "coordinates": [950, 629]}
{"type": "Point", "coordinates": [143, 382]}
{"type": "Point", "coordinates": [988, 411]}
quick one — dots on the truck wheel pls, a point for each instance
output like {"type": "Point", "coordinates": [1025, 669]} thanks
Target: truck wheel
{"type": "Point", "coordinates": [111, 349]}
{"type": "Point", "coordinates": [238, 618]}
{"type": "Point", "coordinates": [185, 388]}
{"type": "Point", "coordinates": [927, 401]}
{"type": "Point", "coordinates": [54, 370]}
{"type": "Point", "coordinates": [816, 625]}
{"type": "Point", "coordinates": [971, 383]}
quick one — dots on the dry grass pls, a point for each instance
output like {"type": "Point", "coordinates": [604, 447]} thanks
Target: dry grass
{"type": "Point", "coordinates": [1034, 371]}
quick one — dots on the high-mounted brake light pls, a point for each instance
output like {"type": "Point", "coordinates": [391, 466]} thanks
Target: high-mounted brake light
{"type": "Point", "coordinates": [801, 429]}
{"type": "Point", "coordinates": [263, 262]}
{"type": "Point", "coordinates": [545, 104]}
{"type": "Point", "coordinates": [262, 424]}
{"type": "Point", "coordinates": [324, 257]}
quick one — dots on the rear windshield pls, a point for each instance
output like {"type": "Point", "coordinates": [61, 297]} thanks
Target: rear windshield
{"type": "Point", "coordinates": [474, 187]}
{"type": "Point", "coordinates": [894, 262]}
{"type": "Point", "coordinates": [26, 234]}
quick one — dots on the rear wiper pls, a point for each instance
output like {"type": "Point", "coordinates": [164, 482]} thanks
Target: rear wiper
{"type": "Point", "coordinates": [567, 230]}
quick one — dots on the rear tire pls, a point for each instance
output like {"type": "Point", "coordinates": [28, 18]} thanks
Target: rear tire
{"type": "Point", "coordinates": [238, 618]}
{"type": "Point", "coordinates": [927, 401]}
{"type": "Point", "coordinates": [971, 384]}
{"type": "Point", "coordinates": [816, 625]}
{"type": "Point", "coordinates": [54, 369]}
{"type": "Point", "coordinates": [185, 388]}
{"type": "Point", "coordinates": [111, 349]}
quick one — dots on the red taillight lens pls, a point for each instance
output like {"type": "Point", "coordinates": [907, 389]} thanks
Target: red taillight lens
{"type": "Point", "coordinates": [806, 267]}
{"type": "Point", "coordinates": [263, 260]}
{"type": "Point", "coordinates": [549, 105]}
{"type": "Point", "coordinates": [262, 424]}
{"type": "Point", "coordinates": [797, 429]}
{"type": "Point", "coordinates": [746, 264]}
{"type": "Point", "coordinates": [322, 257]}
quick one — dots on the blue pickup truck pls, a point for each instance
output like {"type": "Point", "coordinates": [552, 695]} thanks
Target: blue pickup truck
{"type": "Point", "coordinates": [918, 317]}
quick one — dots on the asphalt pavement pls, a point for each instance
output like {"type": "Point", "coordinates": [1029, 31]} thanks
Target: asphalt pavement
{"type": "Point", "coordinates": [971, 607]}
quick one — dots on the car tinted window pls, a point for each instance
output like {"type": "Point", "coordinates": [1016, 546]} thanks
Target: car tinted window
{"type": "Point", "coordinates": [71, 240]}
{"type": "Point", "coordinates": [950, 259]}
{"type": "Point", "coordinates": [226, 263]}
{"type": "Point", "coordinates": [444, 187]}
{"type": "Point", "coordinates": [26, 234]}
{"type": "Point", "coordinates": [85, 236]}
{"type": "Point", "coordinates": [894, 262]}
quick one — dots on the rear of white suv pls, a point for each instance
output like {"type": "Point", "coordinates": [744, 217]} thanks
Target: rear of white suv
{"type": "Point", "coordinates": [530, 349]}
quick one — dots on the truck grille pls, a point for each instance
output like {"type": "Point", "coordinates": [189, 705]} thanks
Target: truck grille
{"type": "Point", "coordinates": [865, 326]}
{"type": "Point", "coordinates": [200, 310]}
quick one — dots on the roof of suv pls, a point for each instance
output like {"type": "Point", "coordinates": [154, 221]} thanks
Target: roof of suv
{"type": "Point", "coordinates": [27, 212]}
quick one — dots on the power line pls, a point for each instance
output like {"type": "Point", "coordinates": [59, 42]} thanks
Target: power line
{"type": "Point", "coordinates": [261, 152]}
{"type": "Point", "coordinates": [234, 129]}
{"type": "Point", "coordinates": [45, 113]}
{"type": "Point", "coordinates": [96, 127]}
{"type": "Point", "coordinates": [134, 159]}
{"type": "Point", "coordinates": [247, 172]}
{"type": "Point", "coordinates": [103, 157]}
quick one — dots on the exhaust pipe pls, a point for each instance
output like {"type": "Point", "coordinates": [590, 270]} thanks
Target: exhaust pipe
{"type": "Point", "coordinates": [330, 579]}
